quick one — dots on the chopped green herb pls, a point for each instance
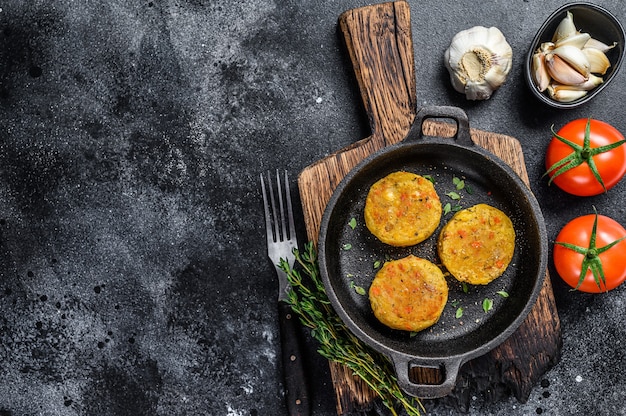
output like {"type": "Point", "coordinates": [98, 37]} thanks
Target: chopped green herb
{"type": "Point", "coordinates": [377, 264]}
{"type": "Point", "coordinates": [352, 223]}
{"type": "Point", "coordinates": [453, 195]}
{"type": "Point", "coordinates": [459, 313]}
{"type": "Point", "coordinates": [469, 189]}
{"type": "Point", "coordinates": [346, 246]}
{"type": "Point", "coordinates": [503, 294]}
{"type": "Point", "coordinates": [349, 275]}
{"type": "Point", "coordinates": [447, 208]}
{"type": "Point", "coordinates": [455, 303]}
{"type": "Point", "coordinates": [487, 305]}
{"type": "Point", "coordinates": [456, 208]}
{"type": "Point", "coordinates": [430, 178]}
{"type": "Point", "coordinates": [357, 289]}
{"type": "Point", "coordinates": [464, 287]}
{"type": "Point", "coordinates": [459, 183]}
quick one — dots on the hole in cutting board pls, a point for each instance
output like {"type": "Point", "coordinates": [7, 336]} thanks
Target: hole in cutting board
{"type": "Point", "coordinates": [439, 127]}
{"type": "Point", "coordinates": [426, 375]}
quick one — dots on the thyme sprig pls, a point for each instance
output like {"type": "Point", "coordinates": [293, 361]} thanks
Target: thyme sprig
{"type": "Point", "coordinates": [309, 301]}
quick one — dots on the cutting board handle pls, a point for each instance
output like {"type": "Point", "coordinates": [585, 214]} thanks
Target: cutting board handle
{"type": "Point", "coordinates": [380, 45]}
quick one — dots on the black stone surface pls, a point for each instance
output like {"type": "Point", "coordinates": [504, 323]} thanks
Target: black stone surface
{"type": "Point", "coordinates": [133, 276]}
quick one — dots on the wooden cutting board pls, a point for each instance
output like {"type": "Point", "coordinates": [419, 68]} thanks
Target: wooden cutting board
{"type": "Point", "coordinates": [379, 41]}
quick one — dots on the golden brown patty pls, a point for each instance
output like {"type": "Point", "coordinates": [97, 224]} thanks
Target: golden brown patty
{"type": "Point", "coordinates": [402, 209]}
{"type": "Point", "coordinates": [408, 294]}
{"type": "Point", "coordinates": [477, 244]}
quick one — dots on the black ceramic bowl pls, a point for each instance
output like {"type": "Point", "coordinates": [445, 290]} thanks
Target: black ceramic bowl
{"type": "Point", "coordinates": [588, 18]}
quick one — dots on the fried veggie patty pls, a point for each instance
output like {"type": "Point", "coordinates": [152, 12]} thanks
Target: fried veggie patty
{"type": "Point", "coordinates": [402, 209]}
{"type": "Point", "coordinates": [477, 244]}
{"type": "Point", "coordinates": [408, 294]}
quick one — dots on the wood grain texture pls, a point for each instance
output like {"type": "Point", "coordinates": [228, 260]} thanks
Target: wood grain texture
{"type": "Point", "coordinates": [379, 41]}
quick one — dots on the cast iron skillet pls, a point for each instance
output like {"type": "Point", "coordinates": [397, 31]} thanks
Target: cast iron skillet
{"type": "Point", "coordinates": [347, 256]}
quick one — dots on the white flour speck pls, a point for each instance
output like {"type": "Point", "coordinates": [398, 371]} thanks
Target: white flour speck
{"type": "Point", "coordinates": [233, 412]}
{"type": "Point", "coordinates": [579, 379]}
{"type": "Point", "coordinates": [247, 388]}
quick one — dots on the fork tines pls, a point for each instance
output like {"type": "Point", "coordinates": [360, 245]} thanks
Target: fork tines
{"type": "Point", "coordinates": [278, 220]}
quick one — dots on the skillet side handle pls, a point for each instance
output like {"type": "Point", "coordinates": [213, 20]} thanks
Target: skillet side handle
{"type": "Point", "coordinates": [462, 136]}
{"type": "Point", "coordinates": [450, 368]}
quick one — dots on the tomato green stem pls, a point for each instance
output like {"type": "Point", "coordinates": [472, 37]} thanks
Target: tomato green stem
{"type": "Point", "coordinates": [591, 256]}
{"type": "Point", "coordinates": [580, 154]}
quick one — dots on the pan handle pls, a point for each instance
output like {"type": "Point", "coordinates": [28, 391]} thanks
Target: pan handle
{"type": "Point", "coordinates": [462, 136]}
{"type": "Point", "coordinates": [448, 366]}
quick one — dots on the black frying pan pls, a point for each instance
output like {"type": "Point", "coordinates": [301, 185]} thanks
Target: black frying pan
{"type": "Point", "coordinates": [347, 256]}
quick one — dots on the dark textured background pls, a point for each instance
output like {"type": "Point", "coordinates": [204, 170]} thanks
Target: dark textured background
{"type": "Point", "coordinates": [133, 277]}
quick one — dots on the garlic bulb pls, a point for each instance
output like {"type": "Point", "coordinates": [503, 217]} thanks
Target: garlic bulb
{"type": "Point", "coordinates": [478, 60]}
{"type": "Point", "coordinates": [571, 64]}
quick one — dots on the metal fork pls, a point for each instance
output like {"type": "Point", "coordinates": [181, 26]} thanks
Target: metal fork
{"type": "Point", "coordinates": [281, 241]}
{"type": "Point", "coordinates": [280, 229]}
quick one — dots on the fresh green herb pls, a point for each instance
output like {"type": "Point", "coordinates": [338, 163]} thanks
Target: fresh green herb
{"type": "Point", "coordinates": [459, 313]}
{"type": "Point", "coordinates": [376, 264]}
{"type": "Point", "coordinates": [309, 301]}
{"type": "Point", "coordinates": [453, 195]}
{"type": "Point", "coordinates": [464, 287]}
{"type": "Point", "coordinates": [352, 223]}
{"type": "Point", "coordinates": [346, 246]}
{"type": "Point", "coordinates": [459, 183]}
{"type": "Point", "coordinates": [349, 275]}
{"type": "Point", "coordinates": [487, 305]}
{"type": "Point", "coordinates": [469, 189]}
{"type": "Point", "coordinates": [357, 289]}
{"type": "Point", "coordinates": [455, 303]}
{"type": "Point", "coordinates": [429, 177]}
{"type": "Point", "coordinates": [503, 293]}
{"type": "Point", "coordinates": [448, 208]}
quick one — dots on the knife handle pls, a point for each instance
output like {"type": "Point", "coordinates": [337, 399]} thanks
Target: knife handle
{"type": "Point", "coordinates": [297, 396]}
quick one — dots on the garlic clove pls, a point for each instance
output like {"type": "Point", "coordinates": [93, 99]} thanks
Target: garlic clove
{"type": "Point", "coordinates": [458, 83]}
{"type": "Point", "coordinates": [556, 92]}
{"type": "Point", "coordinates": [478, 60]}
{"type": "Point", "coordinates": [588, 85]}
{"type": "Point", "coordinates": [573, 56]}
{"type": "Point", "coordinates": [578, 40]}
{"type": "Point", "coordinates": [563, 72]}
{"type": "Point", "coordinates": [598, 61]}
{"type": "Point", "coordinates": [595, 43]}
{"type": "Point", "coordinates": [540, 71]}
{"type": "Point", "coordinates": [565, 28]}
{"type": "Point", "coordinates": [478, 90]}
{"type": "Point", "coordinates": [546, 47]}
{"type": "Point", "coordinates": [496, 76]}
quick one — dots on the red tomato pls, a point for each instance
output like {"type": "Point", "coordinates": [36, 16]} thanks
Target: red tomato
{"type": "Point", "coordinates": [569, 263]}
{"type": "Point", "coordinates": [580, 180]}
